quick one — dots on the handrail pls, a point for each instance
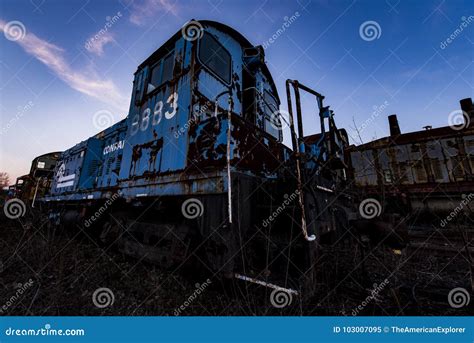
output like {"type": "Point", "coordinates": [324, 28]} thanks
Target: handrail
{"type": "Point", "coordinates": [298, 148]}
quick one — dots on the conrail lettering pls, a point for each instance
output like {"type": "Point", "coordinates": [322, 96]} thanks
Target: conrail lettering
{"type": "Point", "coordinates": [114, 147]}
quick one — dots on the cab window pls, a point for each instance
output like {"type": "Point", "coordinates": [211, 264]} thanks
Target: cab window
{"type": "Point", "coordinates": [168, 64]}
{"type": "Point", "coordinates": [215, 57]}
{"type": "Point", "coordinates": [272, 117]}
{"type": "Point", "coordinates": [155, 78]}
{"type": "Point", "coordinates": [161, 72]}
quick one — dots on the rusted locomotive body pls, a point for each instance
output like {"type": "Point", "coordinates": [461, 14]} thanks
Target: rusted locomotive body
{"type": "Point", "coordinates": [197, 171]}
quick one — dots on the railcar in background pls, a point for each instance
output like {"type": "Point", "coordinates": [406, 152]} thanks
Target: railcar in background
{"type": "Point", "coordinates": [423, 174]}
{"type": "Point", "coordinates": [37, 183]}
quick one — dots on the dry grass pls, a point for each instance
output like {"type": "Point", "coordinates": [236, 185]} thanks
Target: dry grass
{"type": "Point", "coordinates": [66, 268]}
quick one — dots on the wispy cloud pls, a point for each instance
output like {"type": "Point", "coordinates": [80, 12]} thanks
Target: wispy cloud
{"type": "Point", "coordinates": [96, 45]}
{"type": "Point", "coordinates": [144, 10]}
{"type": "Point", "coordinates": [53, 57]}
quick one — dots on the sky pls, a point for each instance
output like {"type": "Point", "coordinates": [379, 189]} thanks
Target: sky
{"type": "Point", "coordinates": [66, 67]}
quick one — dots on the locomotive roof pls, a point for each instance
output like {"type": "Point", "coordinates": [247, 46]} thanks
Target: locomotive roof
{"type": "Point", "coordinates": [48, 154]}
{"type": "Point", "coordinates": [224, 28]}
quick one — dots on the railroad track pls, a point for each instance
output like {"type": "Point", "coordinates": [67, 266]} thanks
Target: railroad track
{"type": "Point", "coordinates": [441, 240]}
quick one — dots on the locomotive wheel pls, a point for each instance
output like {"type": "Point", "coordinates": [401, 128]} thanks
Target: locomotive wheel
{"type": "Point", "coordinates": [112, 229]}
{"type": "Point", "coordinates": [166, 245]}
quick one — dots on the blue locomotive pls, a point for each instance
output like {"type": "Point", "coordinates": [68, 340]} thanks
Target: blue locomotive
{"type": "Point", "coordinates": [198, 170]}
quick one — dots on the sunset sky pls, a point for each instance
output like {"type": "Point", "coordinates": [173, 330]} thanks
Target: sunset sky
{"type": "Point", "coordinates": [53, 78]}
